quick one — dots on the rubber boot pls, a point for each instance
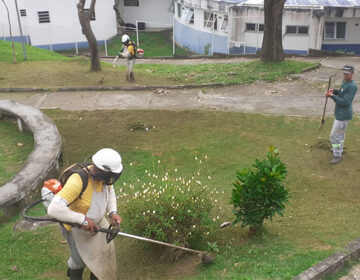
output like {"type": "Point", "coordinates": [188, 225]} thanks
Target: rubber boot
{"type": "Point", "coordinates": [93, 277]}
{"type": "Point", "coordinates": [132, 78]}
{"type": "Point", "coordinates": [75, 274]}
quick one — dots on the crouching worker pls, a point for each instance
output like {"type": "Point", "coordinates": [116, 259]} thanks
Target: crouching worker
{"type": "Point", "coordinates": [129, 52]}
{"type": "Point", "coordinates": [88, 208]}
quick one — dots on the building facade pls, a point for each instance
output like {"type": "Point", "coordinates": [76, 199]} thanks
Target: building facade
{"type": "Point", "coordinates": [55, 24]}
{"type": "Point", "coordinates": [237, 27]}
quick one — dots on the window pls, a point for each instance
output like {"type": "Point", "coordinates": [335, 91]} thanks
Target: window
{"type": "Point", "coordinates": [44, 17]}
{"type": "Point", "coordinates": [188, 16]}
{"type": "Point", "coordinates": [23, 12]}
{"type": "Point", "coordinates": [131, 3]}
{"type": "Point", "coordinates": [303, 29]}
{"type": "Point", "coordinates": [293, 29]}
{"type": "Point", "coordinates": [290, 29]}
{"type": "Point", "coordinates": [250, 26]}
{"type": "Point", "coordinates": [210, 20]}
{"type": "Point", "coordinates": [225, 24]}
{"type": "Point", "coordinates": [92, 16]}
{"type": "Point", "coordinates": [335, 30]}
{"type": "Point", "coordinates": [254, 27]}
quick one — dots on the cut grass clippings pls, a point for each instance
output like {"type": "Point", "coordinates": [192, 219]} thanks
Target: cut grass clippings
{"type": "Point", "coordinates": [15, 147]}
{"type": "Point", "coordinates": [54, 74]}
{"type": "Point", "coordinates": [322, 216]}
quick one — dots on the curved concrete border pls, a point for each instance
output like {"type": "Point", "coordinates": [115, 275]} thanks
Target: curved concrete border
{"type": "Point", "coordinates": [43, 160]}
{"type": "Point", "coordinates": [332, 264]}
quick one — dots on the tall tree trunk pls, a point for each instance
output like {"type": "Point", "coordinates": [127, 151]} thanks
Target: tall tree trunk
{"type": "Point", "coordinates": [84, 18]}
{"type": "Point", "coordinates": [119, 19]}
{"type": "Point", "coordinates": [12, 39]}
{"type": "Point", "coordinates": [272, 49]}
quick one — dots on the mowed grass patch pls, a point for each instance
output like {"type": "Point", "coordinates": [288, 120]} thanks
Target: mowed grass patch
{"type": "Point", "coordinates": [12, 155]}
{"type": "Point", "coordinates": [154, 44]}
{"type": "Point", "coordinates": [320, 219]}
{"type": "Point", "coordinates": [32, 53]}
{"type": "Point", "coordinates": [53, 74]}
{"type": "Point", "coordinates": [230, 73]}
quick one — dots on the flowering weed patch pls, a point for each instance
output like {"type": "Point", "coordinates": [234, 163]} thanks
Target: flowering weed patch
{"type": "Point", "coordinates": [169, 206]}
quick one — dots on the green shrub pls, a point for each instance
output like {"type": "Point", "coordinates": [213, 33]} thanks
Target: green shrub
{"type": "Point", "coordinates": [258, 194]}
{"type": "Point", "coordinates": [168, 208]}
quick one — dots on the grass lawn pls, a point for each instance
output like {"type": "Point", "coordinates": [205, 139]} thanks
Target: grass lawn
{"type": "Point", "coordinates": [12, 156]}
{"type": "Point", "coordinates": [33, 53]}
{"type": "Point", "coordinates": [320, 219]}
{"type": "Point", "coordinates": [154, 44]}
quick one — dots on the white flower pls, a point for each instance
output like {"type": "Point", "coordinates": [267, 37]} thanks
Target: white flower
{"type": "Point", "coordinates": [193, 226]}
{"type": "Point", "coordinates": [189, 211]}
{"type": "Point", "coordinates": [196, 158]}
{"type": "Point", "coordinates": [146, 171]}
{"type": "Point", "coordinates": [131, 163]}
{"type": "Point", "coordinates": [208, 233]}
{"type": "Point", "coordinates": [172, 218]}
{"type": "Point", "coordinates": [205, 156]}
{"type": "Point", "coordinates": [218, 217]}
{"type": "Point", "coordinates": [215, 200]}
{"type": "Point", "coordinates": [154, 212]}
{"type": "Point", "coordinates": [176, 230]}
{"type": "Point", "coordinates": [159, 161]}
{"type": "Point", "coordinates": [209, 177]}
{"type": "Point", "coordinates": [175, 169]}
{"type": "Point", "coordinates": [144, 213]}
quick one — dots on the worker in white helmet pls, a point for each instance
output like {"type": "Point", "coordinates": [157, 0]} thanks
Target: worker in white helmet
{"type": "Point", "coordinates": [129, 52]}
{"type": "Point", "coordinates": [88, 208]}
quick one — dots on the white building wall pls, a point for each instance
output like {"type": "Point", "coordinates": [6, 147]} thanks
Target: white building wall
{"type": "Point", "coordinates": [155, 13]}
{"type": "Point", "coordinates": [64, 27]}
{"type": "Point", "coordinates": [252, 39]}
{"type": "Point", "coordinates": [352, 35]}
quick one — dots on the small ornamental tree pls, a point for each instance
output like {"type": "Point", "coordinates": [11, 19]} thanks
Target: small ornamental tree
{"type": "Point", "coordinates": [259, 194]}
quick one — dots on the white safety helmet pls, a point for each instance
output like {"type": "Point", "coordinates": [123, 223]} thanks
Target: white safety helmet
{"type": "Point", "coordinates": [108, 160]}
{"type": "Point", "coordinates": [125, 38]}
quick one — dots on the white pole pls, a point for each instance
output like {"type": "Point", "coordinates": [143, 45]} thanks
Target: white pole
{"type": "Point", "coordinates": [3, 28]}
{"type": "Point", "coordinates": [173, 35]}
{"type": "Point", "coordinates": [20, 29]}
{"type": "Point", "coordinates": [212, 39]}
{"type": "Point", "coordinates": [50, 43]}
{"type": "Point", "coordinates": [106, 50]}
{"type": "Point", "coordinates": [137, 34]}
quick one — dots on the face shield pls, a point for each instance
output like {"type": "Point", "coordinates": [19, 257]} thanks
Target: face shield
{"type": "Point", "coordinates": [108, 177]}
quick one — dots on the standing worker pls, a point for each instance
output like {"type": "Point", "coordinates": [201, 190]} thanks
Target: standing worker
{"type": "Point", "coordinates": [343, 98]}
{"type": "Point", "coordinates": [129, 52]}
{"type": "Point", "coordinates": [87, 208]}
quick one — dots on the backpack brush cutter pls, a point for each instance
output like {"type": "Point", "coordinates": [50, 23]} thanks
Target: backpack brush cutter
{"type": "Point", "coordinates": [112, 232]}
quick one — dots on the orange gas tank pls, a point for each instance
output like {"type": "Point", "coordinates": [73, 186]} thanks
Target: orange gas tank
{"type": "Point", "coordinates": [53, 185]}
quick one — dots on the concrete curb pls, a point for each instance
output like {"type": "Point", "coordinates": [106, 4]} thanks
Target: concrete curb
{"type": "Point", "coordinates": [116, 88]}
{"type": "Point", "coordinates": [332, 264]}
{"type": "Point", "coordinates": [311, 68]}
{"type": "Point", "coordinates": [41, 163]}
